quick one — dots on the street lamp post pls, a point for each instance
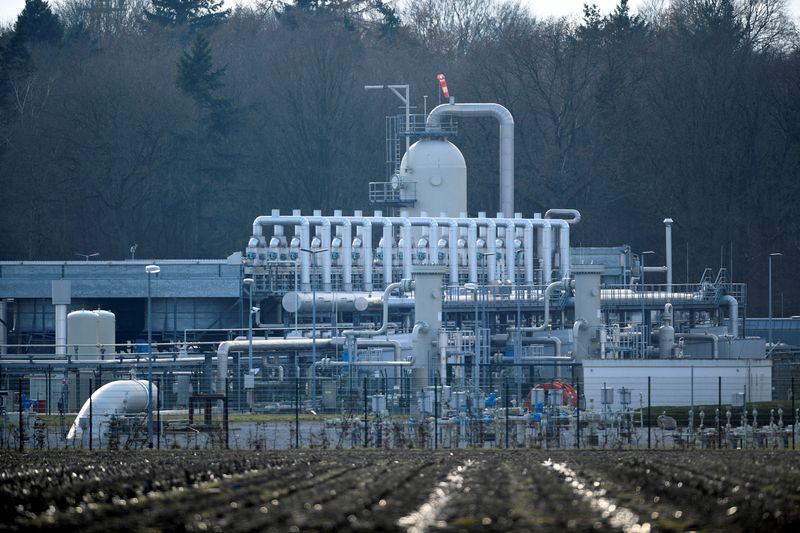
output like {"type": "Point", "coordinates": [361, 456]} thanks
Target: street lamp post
{"type": "Point", "coordinates": [314, 323]}
{"type": "Point", "coordinates": [150, 270]}
{"type": "Point", "coordinates": [248, 282]}
{"type": "Point", "coordinates": [773, 254]}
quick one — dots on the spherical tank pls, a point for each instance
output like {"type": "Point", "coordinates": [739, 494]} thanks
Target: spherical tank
{"type": "Point", "coordinates": [82, 333]}
{"type": "Point", "coordinates": [438, 169]}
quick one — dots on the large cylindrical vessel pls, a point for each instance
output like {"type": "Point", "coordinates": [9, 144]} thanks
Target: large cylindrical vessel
{"type": "Point", "coordinates": [437, 169]}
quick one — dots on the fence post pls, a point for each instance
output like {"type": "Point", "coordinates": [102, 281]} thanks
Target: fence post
{"type": "Point", "coordinates": [507, 414]}
{"type": "Point", "coordinates": [297, 412]}
{"type": "Point", "coordinates": [366, 414]}
{"type": "Point", "coordinates": [649, 418]}
{"type": "Point", "coordinates": [436, 414]}
{"type": "Point", "coordinates": [225, 408]}
{"type": "Point", "coordinates": [578, 416]}
{"type": "Point", "coordinates": [794, 414]}
{"type": "Point", "coordinates": [21, 428]}
{"type": "Point", "coordinates": [719, 412]}
{"type": "Point", "coordinates": [91, 391]}
{"type": "Point", "coordinates": [158, 412]}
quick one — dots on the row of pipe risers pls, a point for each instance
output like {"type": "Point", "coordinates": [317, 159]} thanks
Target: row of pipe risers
{"type": "Point", "coordinates": [504, 248]}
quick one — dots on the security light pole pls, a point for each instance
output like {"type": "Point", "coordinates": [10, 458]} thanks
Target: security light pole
{"type": "Point", "coordinates": [150, 270]}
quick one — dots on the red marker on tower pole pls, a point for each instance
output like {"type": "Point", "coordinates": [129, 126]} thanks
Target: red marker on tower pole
{"type": "Point", "coordinates": [443, 85]}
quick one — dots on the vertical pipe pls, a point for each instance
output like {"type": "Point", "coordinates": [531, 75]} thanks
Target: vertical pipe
{"type": "Point", "coordinates": [528, 237]}
{"type": "Point", "coordinates": [668, 237]}
{"type": "Point", "coordinates": [149, 367]}
{"type": "Point", "coordinates": [563, 249]}
{"type": "Point", "coordinates": [491, 254]}
{"type": "Point", "coordinates": [388, 245]}
{"type": "Point", "coordinates": [794, 414]}
{"type": "Point", "coordinates": [547, 254]}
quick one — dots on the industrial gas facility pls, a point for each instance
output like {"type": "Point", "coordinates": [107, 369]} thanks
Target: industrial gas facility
{"type": "Point", "coordinates": [412, 304]}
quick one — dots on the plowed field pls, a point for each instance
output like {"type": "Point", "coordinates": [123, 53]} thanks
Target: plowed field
{"type": "Point", "coordinates": [400, 491]}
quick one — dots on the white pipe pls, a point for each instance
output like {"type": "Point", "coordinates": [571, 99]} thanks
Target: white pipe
{"type": "Point", "coordinates": [403, 285]}
{"type": "Point", "coordinates": [472, 252]}
{"type": "Point", "coordinates": [452, 247]}
{"type": "Point", "coordinates": [347, 250]}
{"type": "Point", "coordinates": [443, 355]}
{"type": "Point", "coordinates": [305, 241]}
{"type": "Point", "coordinates": [388, 246]}
{"type": "Point", "coordinates": [528, 239]}
{"type": "Point", "coordinates": [565, 283]}
{"type": "Point", "coordinates": [115, 398]}
{"type": "Point", "coordinates": [574, 214]}
{"type": "Point", "coordinates": [563, 251]}
{"type": "Point", "coordinates": [709, 337]}
{"type": "Point", "coordinates": [407, 243]}
{"type": "Point", "coordinates": [510, 225]}
{"type": "Point", "coordinates": [506, 121]}
{"type": "Point", "coordinates": [668, 237]}
{"type": "Point", "coordinates": [366, 236]}
{"type": "Point", "coordinates": [61, 330]}
{"type": "Point", "coordinates": [261, 344]}
{"type": "Point", "coordinates": [733, 314]}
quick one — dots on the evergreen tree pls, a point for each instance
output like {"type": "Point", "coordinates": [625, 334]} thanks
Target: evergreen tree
{"type": "Point", "coordinates": [183, 12]}
{"type": "Point", "coordinates": [38, 24]}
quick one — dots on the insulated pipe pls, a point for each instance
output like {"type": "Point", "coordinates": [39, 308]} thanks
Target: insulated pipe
{"type": "Point", "coordinates": [366, 237]}
{"type": "Point", "coordinates": [305, 263]}
{"type": "Point", "coordinates": [347, 250]}
{"type": "Point", "coordinates": [510, 235]}
{"type": "Point", "coordinates": [506, 121]}
{"type": "Point", "coordinates": [326, 245]}
{"type": "Point", "coordinates": [114, 398]}
{"type": "Point", "coordinates": [668, 237]}
{"type": "Point", "coordinates": [407, 242]}
{"type": "Point", "coordinates": [388, 246]}
{"type": "Point", "coordinates": [433, 242]}
{"type": "Point", "coordinates": [262, 344]}
{"type": "Point", "coordinates": [560, 213]}
{"type": "Point", "coordinates": [563, 251]}
{"type": "Point", "coordinates": [555, 341]}
{"type": "Point", "coordinates": [472, 251]}
{"type": "Point", "coordinates": [577, 326]}
{"type": "Point", "coordinates": [733, 314]}
{"type": "Point", "coordinates": [443, 355]}
{"type": "Point", "coordinates": [61, 330]}
{"type": "Point", "coordinates": [452, 246]}
{"type": "Point", "coordinates": [403, 285]}
{"type": "Point", "coordinates": [547, 252]}
{"type": "Point", "coordinates": [565, 283]}
{"type": "Point", "coordinates": [491, 244]}
{"type": "Point", "coordinates": [709, 337]}
{"type": "Point", "coordinates": [528, 239]}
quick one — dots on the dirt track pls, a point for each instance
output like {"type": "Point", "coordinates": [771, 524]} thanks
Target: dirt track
{"type": "Point", "coordinates": [396, 491]}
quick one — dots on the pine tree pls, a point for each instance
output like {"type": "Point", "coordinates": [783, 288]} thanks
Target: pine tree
{"type": "Point", "coordinates": [183, 12]}
{"type": "Point", "coordinates": [38, 23]}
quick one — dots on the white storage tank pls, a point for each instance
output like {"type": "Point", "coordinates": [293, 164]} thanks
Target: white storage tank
{"type": "Point", "coordinates": [91, 334]}
{"type": "Point", "coordinates": [439, 172]}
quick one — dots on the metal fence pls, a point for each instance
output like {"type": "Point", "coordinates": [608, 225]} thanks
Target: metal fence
{"type": "Point", "coordinates": [506, 408]}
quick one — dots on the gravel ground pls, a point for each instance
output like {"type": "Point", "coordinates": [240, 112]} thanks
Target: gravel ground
{"type": "Point", "coordinates": [412, 490]}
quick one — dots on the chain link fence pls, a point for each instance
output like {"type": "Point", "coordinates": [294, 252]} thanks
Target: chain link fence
{"type": "Point", "coordinates": [552, 406]}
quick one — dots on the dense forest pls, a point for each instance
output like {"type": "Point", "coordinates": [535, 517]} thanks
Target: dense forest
{"type": "Point", "coordinates": [173, 123]}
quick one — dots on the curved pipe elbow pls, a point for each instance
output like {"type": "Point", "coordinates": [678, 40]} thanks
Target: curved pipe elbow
{"type": "Point", "coordinates": [558, 214]}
